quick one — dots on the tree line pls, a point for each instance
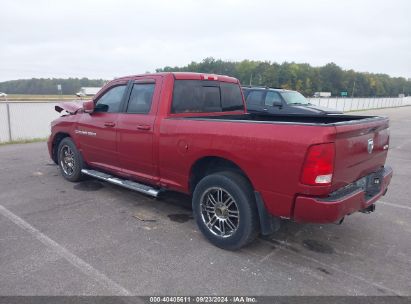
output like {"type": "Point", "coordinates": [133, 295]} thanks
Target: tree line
{"type": "Point", "coordinates": [302, 77]}
{"type": "Point", "coordinates": [288, 75]}
{"type": "Point", "coordinates": [48, 86]}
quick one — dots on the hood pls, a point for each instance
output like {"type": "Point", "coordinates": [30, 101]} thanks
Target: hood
{"type": "Point", "coordinates": [70, 106]}
{"type": "Point", "coordinates": [320, 110]}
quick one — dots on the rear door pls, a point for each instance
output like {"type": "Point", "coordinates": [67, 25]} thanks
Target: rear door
{"type": "Point", "coordinates": [255, 100]}
{"type": "Point", "coordinates": [136, 130]}
{"type": "Point", "coordinates": [361, 148]}
{"type": "Point", "coordinates": [96, 132]}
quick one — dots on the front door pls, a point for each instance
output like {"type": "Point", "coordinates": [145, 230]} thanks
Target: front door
{"type": "Point", "coordinates": [97, 132]}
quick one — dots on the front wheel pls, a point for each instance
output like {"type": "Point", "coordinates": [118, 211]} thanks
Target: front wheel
{"type": "Point", "coordinates": [69, 160]}
{"type": "Point", "coordinates": [225, 210]}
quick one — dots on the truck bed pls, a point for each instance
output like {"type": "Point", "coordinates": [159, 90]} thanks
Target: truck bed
{"type": "Point", "coordinates": [350, 133]}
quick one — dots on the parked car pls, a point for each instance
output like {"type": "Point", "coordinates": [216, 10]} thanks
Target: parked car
{"type": "Point", "coordinates": [282, 102]}
{"type": "Point", "coordinates": [190, 133]}
{"type": "Point", "coordinates": [3, 94]}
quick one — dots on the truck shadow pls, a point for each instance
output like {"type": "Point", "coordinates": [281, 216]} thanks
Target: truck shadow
{"type": "Point", "coordinates": [177, 208]}
{"type": "Point", "coordinates": [292, 236]}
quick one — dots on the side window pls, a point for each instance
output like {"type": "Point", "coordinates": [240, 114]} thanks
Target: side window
{"type": "Point", "coordinates": [255, 98]}
{"type": "Point", "coordinates": [141, 98]}
{"type": "Point", "coordinates": [111, 100]}
{"type": "Point", "coordinates": [272, 98]}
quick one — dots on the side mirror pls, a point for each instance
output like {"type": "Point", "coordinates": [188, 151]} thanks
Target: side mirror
{"type": "Point", "coordinates": [88, 106]}
{"type": "Point", "coordinates": [277, 103]}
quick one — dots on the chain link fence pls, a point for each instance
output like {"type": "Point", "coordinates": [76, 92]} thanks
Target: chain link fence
{"type": "Point", "coordinates": [30, 120]}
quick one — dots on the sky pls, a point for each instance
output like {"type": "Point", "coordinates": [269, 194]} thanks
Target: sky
{"type": "Point", "coordinates": [108, 39]}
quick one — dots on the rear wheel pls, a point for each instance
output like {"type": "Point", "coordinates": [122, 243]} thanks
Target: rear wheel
{"type": "Point", "coordinates": [69, 160]}
{"type": "Point", "coordinates": [225, 210]}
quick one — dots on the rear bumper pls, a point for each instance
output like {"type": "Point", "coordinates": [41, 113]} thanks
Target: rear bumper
{"type": "Point", "coordinates": [320, 210]}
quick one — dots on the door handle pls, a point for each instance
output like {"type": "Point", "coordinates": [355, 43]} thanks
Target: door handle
{"type": "Point", "coordinates": [109, 124]}
{"type": "Point", "coordinates": [143, 127]}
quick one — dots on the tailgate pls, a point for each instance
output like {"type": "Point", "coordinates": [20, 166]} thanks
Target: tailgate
{"type": "Point", "coordinates": [361, 148]}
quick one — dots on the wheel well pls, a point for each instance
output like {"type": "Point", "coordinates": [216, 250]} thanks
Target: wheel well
{"type": "Point", "coordinates": [209, 165]}
{"type": "Point", "coordinates": [56, 141]}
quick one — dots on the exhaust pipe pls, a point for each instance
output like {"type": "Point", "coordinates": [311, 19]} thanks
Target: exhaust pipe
{"type": "Point", "coordinates": [369, 209]}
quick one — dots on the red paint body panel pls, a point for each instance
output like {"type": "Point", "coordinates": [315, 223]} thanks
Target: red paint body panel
{"type": "Point", "coordinates": [160, 148]}
{"type": "Point", "coordinates": [101, 150]}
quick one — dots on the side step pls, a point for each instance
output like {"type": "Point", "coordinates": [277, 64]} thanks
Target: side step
{"type": "Point", "coordinates": [122, 182]}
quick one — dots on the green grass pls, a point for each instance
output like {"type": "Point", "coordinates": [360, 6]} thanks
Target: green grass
{"type": "Point", "coordinates": [23, 141]}
{"type": "Point", "coordinates": [24, 97]}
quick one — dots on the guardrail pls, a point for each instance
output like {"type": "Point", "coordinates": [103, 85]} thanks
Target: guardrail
{"type": "Point", "coordinates": [29, 120]}
{"type": "Point", "coordinates": [355, 104]}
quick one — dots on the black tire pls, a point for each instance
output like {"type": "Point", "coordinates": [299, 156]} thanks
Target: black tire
{"type": "Point", "coordinates": [70, 173]}
{"type": "Point", "coordinates": [240, 190]}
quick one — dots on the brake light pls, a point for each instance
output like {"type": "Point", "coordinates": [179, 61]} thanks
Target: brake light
{"type": "Point", "coordinates": [209, 77]}
{"type": "Point", "coordinates": [318, 167]}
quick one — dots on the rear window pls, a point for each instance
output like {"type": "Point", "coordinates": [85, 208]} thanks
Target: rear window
{"type": "Point", "coordinates": [198, 96]}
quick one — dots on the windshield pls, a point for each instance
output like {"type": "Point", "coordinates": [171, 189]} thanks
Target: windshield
{"type": "Point", "coordinates": [292, 97]}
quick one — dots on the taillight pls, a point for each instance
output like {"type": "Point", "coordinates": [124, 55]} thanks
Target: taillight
{"type": "Point", "coordinates": [318, 167]}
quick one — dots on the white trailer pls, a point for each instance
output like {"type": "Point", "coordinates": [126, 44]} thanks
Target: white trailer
{"type": "Point", "coordinates": [88, 91]}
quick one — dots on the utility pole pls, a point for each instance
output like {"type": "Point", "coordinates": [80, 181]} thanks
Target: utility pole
{"type": "Point", "coordinates": [251, 79]}
{"type": "Point", "coordinates": [353, 88]}
{"type": "Point", "coordinates": [8, 120]}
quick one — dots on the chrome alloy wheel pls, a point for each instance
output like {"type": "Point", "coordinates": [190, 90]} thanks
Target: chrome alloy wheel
{"type": "Point", "coordinates": [219, 212]}
{"type": "Point", "coordinates": [67, 161]}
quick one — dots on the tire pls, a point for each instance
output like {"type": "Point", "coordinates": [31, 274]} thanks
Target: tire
{"type": "Point", "coordinates": [70, 160]}
{"type": "Point", "coordinates": [217, 199]}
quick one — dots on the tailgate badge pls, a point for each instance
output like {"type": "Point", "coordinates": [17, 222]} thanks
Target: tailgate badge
{"type": "Point", "coordinates": [370, 146]}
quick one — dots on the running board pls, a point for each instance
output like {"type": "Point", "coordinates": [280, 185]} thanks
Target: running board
{"type": "Point", "coordinates": [122, 182]}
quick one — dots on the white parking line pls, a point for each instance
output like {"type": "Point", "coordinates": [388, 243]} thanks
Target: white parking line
{"type": "Point", "coordinates": [394, 205]}
{"type": "Point", "coordinates": [74, 260]}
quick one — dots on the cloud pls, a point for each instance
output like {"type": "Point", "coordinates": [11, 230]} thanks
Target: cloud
{"type": "Point", "coordinates": [105, 39]}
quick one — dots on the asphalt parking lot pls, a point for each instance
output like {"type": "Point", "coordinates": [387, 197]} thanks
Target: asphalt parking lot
{"type": "Point", "coordinates": [92, 238]}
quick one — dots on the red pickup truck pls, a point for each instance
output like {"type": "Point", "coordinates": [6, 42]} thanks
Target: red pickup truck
{"type": "Point", "coordinates": [190, 132]}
